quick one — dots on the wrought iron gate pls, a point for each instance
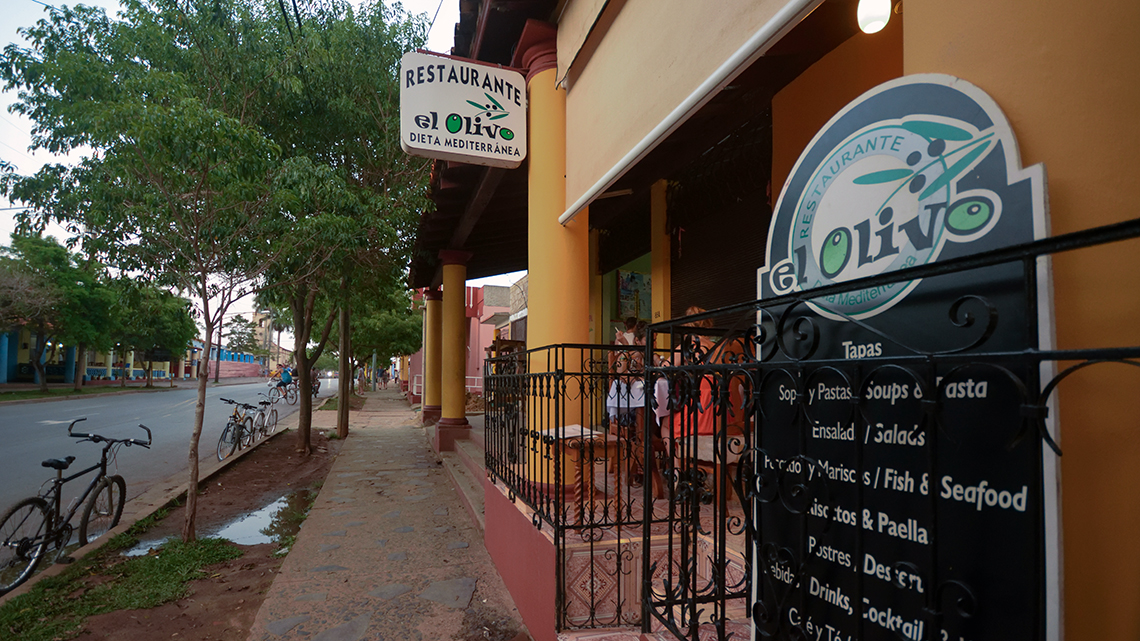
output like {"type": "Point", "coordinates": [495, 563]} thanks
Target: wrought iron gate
{"type": "Point", "coordinates": [833, 478]}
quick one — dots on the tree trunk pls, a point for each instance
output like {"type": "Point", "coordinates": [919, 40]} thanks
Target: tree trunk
{"type": "Point", "coordinates": [305, 406]}
{"type": "Point", "coordinates": [80, 366]}
{"type": "Point", "coordinates": [344, 393]}
{"type": "Point", "coordinates": [150, 373]}
{"type": "Point", "coordinates": [125, 370]}
{"type": "Point", "coordinates": [189, 532]}
{"type": "Point", "coordinates": [37, 358]}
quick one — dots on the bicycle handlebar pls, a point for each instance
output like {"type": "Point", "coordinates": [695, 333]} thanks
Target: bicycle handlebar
{"type": "Point", "coordinates": [96, 438]}
{"type": "Point", "coordinates": [245, 406]}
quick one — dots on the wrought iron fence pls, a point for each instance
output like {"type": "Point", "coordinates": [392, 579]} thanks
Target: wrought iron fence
{"type": "Point", "coordinates": [836, 476]}
{"type": "Point", "coordinates": [563, 429]}
{"type": "Point", "coordinates": [808, 475]}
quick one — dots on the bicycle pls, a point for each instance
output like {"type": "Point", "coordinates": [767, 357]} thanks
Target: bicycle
{"type": "Point", "coordinates": [289, 393]}
{"type": "Point", "coordinates": [239, 430]}
{"type": "Point", "coordinates": [30, 526]}
{"type": "Point", "coordinates": [265, 422]}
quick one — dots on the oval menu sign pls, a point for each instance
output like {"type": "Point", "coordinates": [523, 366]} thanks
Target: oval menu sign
{"type": "Point", "coordinates": [908, 490]}
{"type": "Point", "coordinates": [911, 171]}
{"type": "Point", "coordinates": [458, 110]}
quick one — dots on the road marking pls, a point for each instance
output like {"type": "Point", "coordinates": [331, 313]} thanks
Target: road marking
{"type": "Point", "coordinates": [53, 422]}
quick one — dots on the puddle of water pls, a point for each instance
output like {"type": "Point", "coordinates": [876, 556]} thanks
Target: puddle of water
{"type": "Point", "coordinates": [273, 523]}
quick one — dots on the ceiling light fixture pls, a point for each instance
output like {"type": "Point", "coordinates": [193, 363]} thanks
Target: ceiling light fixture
{"type": "Point", "coordinates": [873, 15]}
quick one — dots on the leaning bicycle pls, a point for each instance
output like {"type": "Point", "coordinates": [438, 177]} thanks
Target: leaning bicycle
{"type": "Point", "coordinates": [265, 421]}
{"type": "Point", "coordinates": [36, 524]}
{"type": "Point", "coordinates": [238, 432]}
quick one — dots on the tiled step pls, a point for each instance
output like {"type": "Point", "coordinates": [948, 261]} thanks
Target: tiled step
{"type": "Point", "coordinates": [471, 453]}
{"type": "Point", "coordinates": [467, 485]}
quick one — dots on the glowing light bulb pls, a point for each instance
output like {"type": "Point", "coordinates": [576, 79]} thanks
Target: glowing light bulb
{"type": "Point", "coordinates": [873, 15]}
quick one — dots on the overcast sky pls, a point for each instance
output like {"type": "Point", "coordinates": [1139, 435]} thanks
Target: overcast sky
{"type": "Point", "coordinates": [14, 129]}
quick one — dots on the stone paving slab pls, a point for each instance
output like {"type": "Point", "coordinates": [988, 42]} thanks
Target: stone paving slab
{"type": "Point", "coordinates": [387, 551]}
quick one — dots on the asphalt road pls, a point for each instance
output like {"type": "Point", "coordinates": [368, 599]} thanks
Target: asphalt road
{"type": "Point", "coordinates": [32, 432]}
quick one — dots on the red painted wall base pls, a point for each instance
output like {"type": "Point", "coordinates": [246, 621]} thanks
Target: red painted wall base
{"type": "Point", "coordinates": [525, 559]}
{"type": "Point", "coordinates": [449, 430]}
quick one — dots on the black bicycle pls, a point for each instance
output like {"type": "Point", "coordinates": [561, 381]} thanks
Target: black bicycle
{"type": "Point", "coordinates": [32, 526]}
{"type": "Point", "coordinates": [239, 432]}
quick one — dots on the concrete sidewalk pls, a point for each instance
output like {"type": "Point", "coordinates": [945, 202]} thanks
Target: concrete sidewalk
{"type": "Point", "coordinates": [387, 551]}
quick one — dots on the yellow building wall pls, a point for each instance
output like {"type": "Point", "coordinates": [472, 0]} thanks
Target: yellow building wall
{"type": "Point", "coordinates": [803, 107]}
{"type": "Point", "coordinates": [1067, 75]}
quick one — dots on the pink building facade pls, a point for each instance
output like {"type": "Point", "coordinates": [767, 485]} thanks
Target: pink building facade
{"type": "Point", "coordinates": [486, 308]}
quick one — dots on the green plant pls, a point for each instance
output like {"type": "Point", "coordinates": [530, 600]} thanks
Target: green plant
{"type": "Point", "coordinates": [56, 607]}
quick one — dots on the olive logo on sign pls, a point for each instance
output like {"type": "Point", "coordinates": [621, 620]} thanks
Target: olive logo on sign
{"type": "Point", "coordinates": [474, 124]}
{"type": "Point", "coordinates": [885, 198]}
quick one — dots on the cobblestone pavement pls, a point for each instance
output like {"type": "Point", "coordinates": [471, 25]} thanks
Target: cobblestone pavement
{"type": "Point", "coordinates": [387, 551]}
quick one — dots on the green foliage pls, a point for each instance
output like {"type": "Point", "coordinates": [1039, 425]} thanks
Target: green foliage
{"type": "Point", "coordinates": [57, 606]}
{"type": "Point", "coordinates": [241, 336]}
{"type": "Point", "coordinates": [155, 319]}
{"type": "Point", "coordinates": [229, 146]}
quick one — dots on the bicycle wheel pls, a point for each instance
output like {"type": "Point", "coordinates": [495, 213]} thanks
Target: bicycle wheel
{"type": "Point", "coordinates": [271, 422]}
{"type": "Point", "coordinates": [23, 531]}
{"type": "Point", "coordinates": [103, 509]}
{"type": "Point", "coordinates": [248, 436]}
{"type": "Point", "coordinates": [291, 395]}
{"type": "Point", "coordinates": [228, 441]}
{"type": "Point", "coordinates": [259, 428]}
{"type": "Point", "coordinates": [274, 394]}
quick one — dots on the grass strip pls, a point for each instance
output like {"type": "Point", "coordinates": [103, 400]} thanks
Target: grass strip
{"type": "Point", "coordinates": [57, 606]}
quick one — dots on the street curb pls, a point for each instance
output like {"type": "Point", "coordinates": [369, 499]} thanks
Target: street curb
{"type": "Point", "coordinates": [134, 390]}
{"type": "Point", "coordinates": [76, 397]}
{"type": "Point", "coordinates": [153, 505]}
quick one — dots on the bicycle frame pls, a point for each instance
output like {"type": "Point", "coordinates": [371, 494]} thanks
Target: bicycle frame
{"type": "Point", "coordinates": [54, 495]}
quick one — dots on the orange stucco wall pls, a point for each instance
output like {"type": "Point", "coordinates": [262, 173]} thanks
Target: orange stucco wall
{"type": "Point", "coordinates": [808, 102]}
{"type": "Point", "coordinates": [1067, 75]}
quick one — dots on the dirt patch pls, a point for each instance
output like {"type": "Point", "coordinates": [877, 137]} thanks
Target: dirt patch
{"type": "Point", "coordinates": [355, 403]}
{"type": "Point", "coordinates": [474, 402]}
{"type": "Point", "coordinates": [222, 606]}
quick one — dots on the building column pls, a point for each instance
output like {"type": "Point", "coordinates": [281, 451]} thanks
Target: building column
{"type": "Point", "coordinates": [69, 365]}
{"type": "Point", "coordinates": [598, 322]}
{"type": "Point", "coordinates": [5, 339]}
{"type": "Point", "coordinates": [558, 289]}
{"type": "Point", "coordinates": [13, 363]}
{"type": "Point", "coordinates": [660, 279]}
{"type": "Point", "coordinates": [433, 330]}
{"type": "Point", "coordinates": [453, 375]}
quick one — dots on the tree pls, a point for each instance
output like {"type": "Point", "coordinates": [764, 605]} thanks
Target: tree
{"type": "Point", "coordinates": [227, 146]}
{"type": "Point", "coordinates": [241, 336]}
{"type": "Point", "coordinates": [385, 324]}
{"type": "Point", "coordinates": [158, 323]}
{"type": "Point", "coordinates": [74, 308]}
{"type": "Point", "coordinates": [346, 196]}
{"type": "Point", "coordinates": [177, 173]}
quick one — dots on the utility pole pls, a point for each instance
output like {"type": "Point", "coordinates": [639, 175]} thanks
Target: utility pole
{"type": "Point", "coordinates": [218, 368]}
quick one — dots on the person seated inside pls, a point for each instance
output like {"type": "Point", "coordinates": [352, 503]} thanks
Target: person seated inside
{"type": "Point", "coordinates": [700, 425]}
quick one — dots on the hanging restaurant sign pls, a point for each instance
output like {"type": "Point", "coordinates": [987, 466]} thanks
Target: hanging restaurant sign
{"type": "Point", "coordinates": [933, 509]}
{"type": "Point", "coordinates": [458, 110]}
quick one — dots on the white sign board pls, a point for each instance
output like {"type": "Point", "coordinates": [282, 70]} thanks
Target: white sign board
{"type": "Point", "coordinates": [456, 110]}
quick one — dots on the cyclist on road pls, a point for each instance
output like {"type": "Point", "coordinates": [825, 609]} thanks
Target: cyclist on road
{"type": "Point", "coordinates": [286, 378]}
